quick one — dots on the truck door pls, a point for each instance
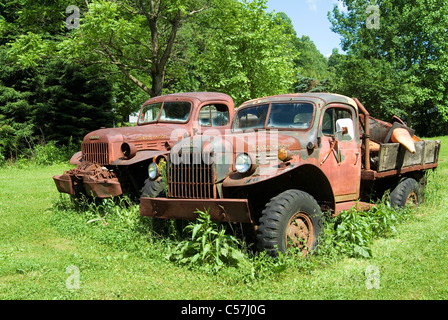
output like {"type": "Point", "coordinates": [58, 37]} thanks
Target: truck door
{"type": "Point", "coordinates": [340, 154]}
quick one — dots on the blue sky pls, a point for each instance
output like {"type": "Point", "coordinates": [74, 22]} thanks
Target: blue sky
{"type": "Point", "coordinates": [309, 17]}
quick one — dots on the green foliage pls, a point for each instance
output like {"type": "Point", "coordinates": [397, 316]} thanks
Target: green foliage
{"type": "Point", "coordinates": [55, 102]}
{"type": "Point", "coordinates": [112, 222]}
{"type": "Point", "coordinates": [209, 246]}
{"type": "Point", "coordinates": [163, 173]}
{"type": "Point", "coordinates": [433, 190]}
{"type": "Point", "coordinates": [311, 63]}
{"type": "Point", "coordinates": [399, 68]}
{"type": "Point", "coordinates": [74, 100]}
{"type": "Point", "coordinates": [352, 232]}
{"type": "Point", "coordinates": [245, 51]}
{"type": "Point", "coordinates": [50, 153]}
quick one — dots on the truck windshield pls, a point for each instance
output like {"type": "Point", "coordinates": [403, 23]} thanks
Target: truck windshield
{"type": "Point", "coordinates": [282, 115]}
{"type": "Point", "coordinates": [165, 112]}
{"type": "Point", "coordinates": [291, 115]}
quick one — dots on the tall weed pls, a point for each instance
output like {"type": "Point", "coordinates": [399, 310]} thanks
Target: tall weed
{"type": "Point", "coordinates": [208, 246]}
{"type": "Point", "coordinates": [434, 188]}
{"type": "Point", "coordinates": [351, 232]}
{"type": "Point", "coordinates": [42, 155]}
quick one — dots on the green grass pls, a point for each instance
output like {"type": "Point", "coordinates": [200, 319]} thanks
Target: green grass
{"type": "Point", "coordinates": [119, 255]}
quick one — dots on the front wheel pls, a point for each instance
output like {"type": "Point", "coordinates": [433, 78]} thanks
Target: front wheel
{"type": "Point", "coordinates": [153, 188]}
{"type": "Point", "coordinates": [291, 219]}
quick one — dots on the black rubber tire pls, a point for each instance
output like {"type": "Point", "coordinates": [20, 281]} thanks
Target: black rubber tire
{"type": "Point", "coordinates": [408, 187]}
{"type": "Point", "coordinates": [153, 189]}
{"type": "Point", "coordinates": [278, 215]}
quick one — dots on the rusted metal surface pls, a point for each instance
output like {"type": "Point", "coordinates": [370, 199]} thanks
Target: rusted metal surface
{"type": "Point", "coordinates": [196, 180]}
{"type": "Point", "coordinates": [193, 180]}
{"type": "Point", "coordinates": [367, 132]}
{"type": "Point", "coordinates": [140, 156]}
{"type": "Point", "coordinates": [222, 210]}
{"type": "Point", "coordinates": [340, 172]}
{"type": "Point", "coordinates": [103, 188]}
{"type": "Point", "coordinates": [91, 178]}
{"type": "Point", "coordinates": [345, 206]}
{"type": "Point", "coordinates": [300, 232]}
{"type": "Point", "coordinates": [76, 158]}
{"type": "Point", "coordinates": [374, 175]}
{"type": "Point", "coordinates": [96, 152]}
{"type": "Point", "coordinates": [64, 184]}
{"type": "Point", "coordinates": [329, 159]}
{"type": "Point", "coordinates": [103, 146]}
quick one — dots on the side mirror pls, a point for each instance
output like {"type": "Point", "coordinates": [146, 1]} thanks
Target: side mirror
{"type": "Point", "coordinates": [345, 130]}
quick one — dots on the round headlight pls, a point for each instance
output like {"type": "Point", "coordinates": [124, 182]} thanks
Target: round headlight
{"type": "Point", "coordinates": [128, 150]}
{"type": "Point", "coordinates": [153, 171]}
{"type": "Point", "coordinates": [243, 163]}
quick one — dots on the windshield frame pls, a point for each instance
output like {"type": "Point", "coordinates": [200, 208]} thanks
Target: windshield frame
{"type": "Point", "coordinates": [140, 122]}
{"type": "Point", "coordinates": [270, 104]}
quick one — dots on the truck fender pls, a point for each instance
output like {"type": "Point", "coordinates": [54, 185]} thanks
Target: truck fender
{"type": "Point", "coordinates": [312, 179]}
{"type": "Point", "coordinates": [76, 158]}
{"type": "Point", "coordinates": [306, 177]}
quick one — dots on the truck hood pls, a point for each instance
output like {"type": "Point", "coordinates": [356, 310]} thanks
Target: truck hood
{"type": "Point", "coordinates": [130, 134]}
{"type": "Point", "coordinates": [252, 143]}
{"type": "Point", "coordinates": [263, 147]}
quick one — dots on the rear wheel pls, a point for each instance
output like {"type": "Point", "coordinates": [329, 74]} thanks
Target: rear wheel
{"type": "Point", "coordinates": [408, 192]}
{"type": "Point", "coordinates": [291, 219]}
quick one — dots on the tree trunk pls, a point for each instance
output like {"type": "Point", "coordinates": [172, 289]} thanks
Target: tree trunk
{"type": "Point", "coordinates": [409, 117]}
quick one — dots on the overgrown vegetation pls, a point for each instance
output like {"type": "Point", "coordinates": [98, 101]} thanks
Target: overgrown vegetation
{"type": "Point", "coordinates": [42, 155]}
{"type": "Point", "coordinates": [210, 246]}
{"type": "Point", "coordinates": [352, 232]}
{"type": "Point", "coordinates": [122, 255]}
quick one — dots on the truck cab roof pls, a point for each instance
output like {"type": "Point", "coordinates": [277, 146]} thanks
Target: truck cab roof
{"type": "Point", "coordinates": [319, 98]}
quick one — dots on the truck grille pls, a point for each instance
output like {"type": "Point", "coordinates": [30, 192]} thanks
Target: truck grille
{"type": "Point", "coordinates": [194, 180]}
{"type": "Point", "coordinates": [96, 152]}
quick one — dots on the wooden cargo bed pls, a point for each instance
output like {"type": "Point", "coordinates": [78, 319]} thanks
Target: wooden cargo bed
{"type": "Point", "coordinates": [393, 159]}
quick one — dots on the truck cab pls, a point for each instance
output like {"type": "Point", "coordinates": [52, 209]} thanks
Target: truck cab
{"type": "Point", "coordinates": [115, 161]}
{"type": "Point", "coordinates": [285, 161]}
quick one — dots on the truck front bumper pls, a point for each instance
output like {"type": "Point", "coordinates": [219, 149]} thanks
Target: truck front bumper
{"type": "Point", "coordinates": [222, 210]}
{"type": "Point", "coordinates": [90, 180]}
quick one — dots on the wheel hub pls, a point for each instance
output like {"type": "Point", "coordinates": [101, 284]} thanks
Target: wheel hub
{"type": "Point", "coordinates": [412, 199]}
{"type": "Point", "coordinates": [300, 232]}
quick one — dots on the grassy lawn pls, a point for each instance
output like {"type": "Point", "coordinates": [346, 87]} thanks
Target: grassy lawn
{"type": "Point", "coordinates": [118, 256]}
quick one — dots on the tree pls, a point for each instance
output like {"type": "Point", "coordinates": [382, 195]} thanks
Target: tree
{"type": "Point", "coordinates": [73, 102]}
{"type": "Point", "coordinates": [162, 46]}
{"type": "Point", "coordinates": [246, 53]}
{"type": "Point", "coordinates": [43, 98]}
{"type": "Point", "coordinates": [402, 65]}
{"type": "Point", "coordinates": [310, 64]}
{"type": "Point", "coordinates": [135, 36]}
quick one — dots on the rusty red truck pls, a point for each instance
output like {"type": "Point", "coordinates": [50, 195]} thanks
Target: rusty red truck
{"type": "Point", "coordinates": [289, 158]}
{"type": "Point", "coordinates": [115, 161]}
